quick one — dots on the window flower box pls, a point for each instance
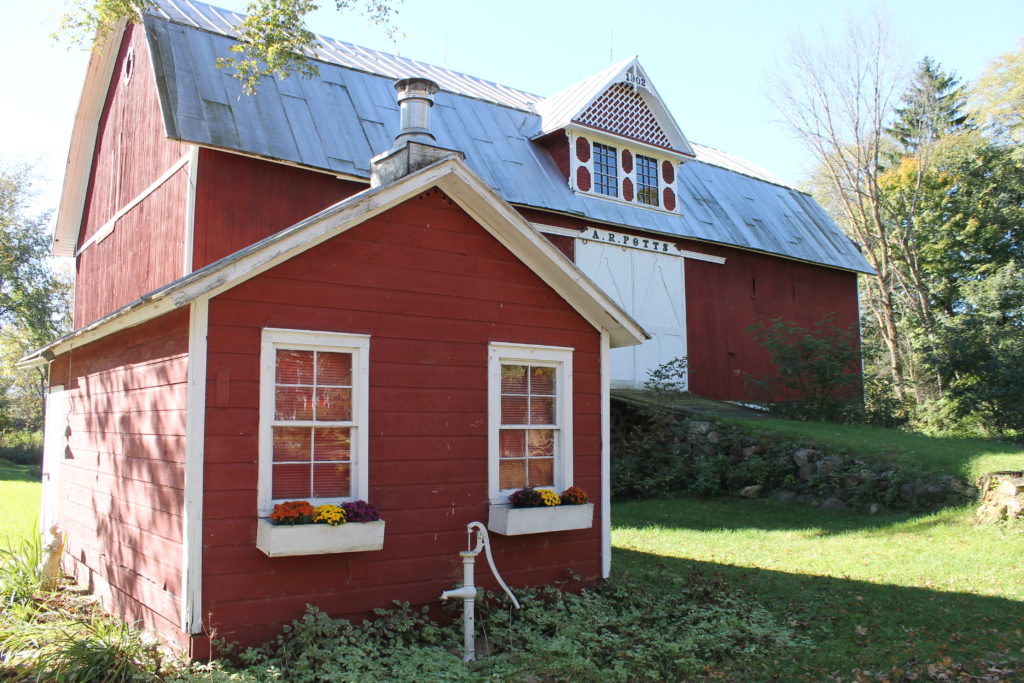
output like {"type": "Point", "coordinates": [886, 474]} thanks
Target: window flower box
{"type": "Point", "coordinates": [513, 521]}
{"type": "Point", "coordinates": [282, 540]}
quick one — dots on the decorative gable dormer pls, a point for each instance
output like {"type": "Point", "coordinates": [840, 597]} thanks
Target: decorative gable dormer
{"type": "Point", "coordinates": [622, 142]}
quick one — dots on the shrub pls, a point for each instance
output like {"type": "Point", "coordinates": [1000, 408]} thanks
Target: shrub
{"type": "Point", "coordinates": [23, 447]}
{"type": "Point", "coordinates": [818, 370]}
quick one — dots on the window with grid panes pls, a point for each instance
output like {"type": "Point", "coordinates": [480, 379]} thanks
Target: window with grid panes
{"type": "Point", "coordinates": [606, 170]}
{"type": "Point", "coordinates": [530, 403]}
{"type": "Point", "coordinates": [646, 180]}
{"type": "Point", "coordinates": [312, 417]}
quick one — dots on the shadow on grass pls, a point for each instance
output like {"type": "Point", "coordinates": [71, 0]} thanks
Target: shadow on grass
{"type": "Point", "coordinates": [847, 624]}
{"type": "Point", "coordinates": [10, 471]}
{"type": "Point", "coordinates": [736, 514]}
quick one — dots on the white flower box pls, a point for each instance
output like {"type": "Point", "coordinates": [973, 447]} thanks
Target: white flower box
{"type": "Point", "coordinates": [318, 539]}
{"type": "Point", "coordinates": [510, 521]}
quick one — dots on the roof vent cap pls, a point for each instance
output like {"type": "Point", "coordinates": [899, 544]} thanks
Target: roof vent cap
{"type": "Point", "coordinates": [415, 98]}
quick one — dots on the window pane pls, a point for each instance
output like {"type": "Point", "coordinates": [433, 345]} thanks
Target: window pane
{"type": "Point", "coordinates": [540, 443]}
{"type": "Point", "coordinates": [333, 404]}
{"type": "Point", "coordinates": [512, 443]}
{"type": "Point", "coordinates": [606, 170]}
{"type": "Point", "coordinates": [513, 379]}
{"type": "Point", "coordinates": [647, 180]}
{"type": "Point", "coordinates": [294, 403]}
{"type": "Point", "coordinates": [541, 471]}
{"type": "Point", "coordinates": [291, 481]}
{"type": "Point", "coordinates": [331, 480]}
{"type": "Point", "coordinates": [291, 444]}
{"type": "Point", "coordinates": [542, 381]}
{"type": "Point", "coordinates": [514, 410]}
{"type": "Point", "coordinates": [332, 444]}
{"type": "Point", "coordinates": [542, 411]}
{"type": "Point", "coordinates": [294, 367]}
{"type": "Point", "coordinates": [333, 369]}
{"type": "Point", "coordinates": [512, 474]}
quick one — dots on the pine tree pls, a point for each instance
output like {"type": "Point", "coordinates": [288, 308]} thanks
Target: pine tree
{"type": "Point", "coordinates": [933, 106]}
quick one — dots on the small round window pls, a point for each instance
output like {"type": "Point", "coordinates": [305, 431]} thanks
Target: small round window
{"type": "Point", "coordinates": [129, 66]}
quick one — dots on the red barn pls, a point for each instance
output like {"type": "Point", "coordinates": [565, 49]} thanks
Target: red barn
{"type": "Point", "coordinates": [277, 299]}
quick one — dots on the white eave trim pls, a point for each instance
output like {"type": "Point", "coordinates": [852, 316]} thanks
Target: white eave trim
{"type": "Point", "coordinates": [450, 175]}
{"type": "Point", "coordinates": [83, 142]}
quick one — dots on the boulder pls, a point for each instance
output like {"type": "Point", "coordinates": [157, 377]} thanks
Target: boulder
{"type": "Point", "coordinates": [1002, 496]}
{"type": "Point", "coordinates": [751, 491]}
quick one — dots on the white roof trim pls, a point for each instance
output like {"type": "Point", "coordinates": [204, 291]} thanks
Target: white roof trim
{"type": "Point", "coordinates": [450, 175]}
{"type": "Point", "coordinates": [562, 108]}
{"type": "Point", "coordinates": [83, 142]}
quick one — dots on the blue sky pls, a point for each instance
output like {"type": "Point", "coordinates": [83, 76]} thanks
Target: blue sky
{"type": "Point", "coordinates": [707, 59]}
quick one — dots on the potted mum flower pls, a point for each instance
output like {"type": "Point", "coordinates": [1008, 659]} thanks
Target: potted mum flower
{"type": "Point", "coordinates": [533, 511]}
{"type": "Point", "coordinates": [297, 527]}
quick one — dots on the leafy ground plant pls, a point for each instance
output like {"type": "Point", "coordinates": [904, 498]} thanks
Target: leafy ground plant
{"type": "Point", "coordinates": [656, 629]}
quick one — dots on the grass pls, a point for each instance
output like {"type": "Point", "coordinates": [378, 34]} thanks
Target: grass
{"type": "Point", "coordinates": [871, 592]}
{"type": "Point", "coordinates": [966, 458]}
{"type": "Point", "coordinates": [20, 492]}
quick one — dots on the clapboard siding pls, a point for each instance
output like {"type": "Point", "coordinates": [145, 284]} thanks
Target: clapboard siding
{"type": "Point", "coordinates": [121, 485]}
{"type": "Point", "coordinates": [753, 288]}
{"type": "Point", "coordinates": [146, 248]}
{"type": "Point", "coordinates": [432, 289]}
{"type": "Point", "coordinates": [276, 196]}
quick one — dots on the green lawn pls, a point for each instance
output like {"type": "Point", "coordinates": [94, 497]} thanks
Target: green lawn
{"type": "Point", "coordinates": [870, 592]}
{"type": "Point", "coordinates": [19, 502]}
{"type": "Point", "coordinates": [967, 458]}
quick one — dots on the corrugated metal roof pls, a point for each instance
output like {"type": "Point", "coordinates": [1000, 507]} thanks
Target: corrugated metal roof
{"type": "Point", "coordinates": [333, 51]}
{"type": "Point", "coordinates": [340, 119]}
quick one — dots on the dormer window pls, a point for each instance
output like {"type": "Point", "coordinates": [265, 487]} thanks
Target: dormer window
{"type": "Point", "coordinates": [646, 180]}
{"type": "Point", "coordinates": [606, 171]}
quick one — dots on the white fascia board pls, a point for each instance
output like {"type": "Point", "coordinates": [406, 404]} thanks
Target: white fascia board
{"type": "Point", "coordinates": [603, 136]}
{"type": "Point", "coordinates": [195, 442]}
{"type": "Point", "coordinates": [83, 142]}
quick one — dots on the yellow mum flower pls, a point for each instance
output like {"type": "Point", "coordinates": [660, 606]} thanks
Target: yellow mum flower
{"type": "Point", "coordinates": [330, 514]}
{"type": "Point", "coordinates": [549, 497]}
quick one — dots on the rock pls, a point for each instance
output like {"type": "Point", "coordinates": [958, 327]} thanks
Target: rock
{"type": "Point", "coordinates": [806, 473]}
{"type": "Point", "coordinates": [1002, 496]}
{"type": "Point", "coordinates": [805, 455]}
{"type": "Point", "coordinates": [783, 495]}
{"type": "Point", "coordinates": [934, 493]}
{"type": "Point", "coordinates": [954, 484]}
{"type": "Point", "coordinates": [713, 437]}
{"type": "Point", "coordinates": [751, 491]}
{"type": "Point", "coordinates": [756, 449]}
{"type": "Point", "coordinates": [748, 441]}
{"type": "Point", "coordinates": [873, 508]}
{"type": "Point", "coordinates": [701, 427]}
{"type": "Point", "coordinates": [906, 493]}
{"type": "Point", "coordinates": [833, 503]}
{"type": "Point", "coordinates": [825, 466]}
{"type": "Point", "coordinates": [805, 498]}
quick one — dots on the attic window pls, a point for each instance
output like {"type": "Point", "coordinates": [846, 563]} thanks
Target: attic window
{"type": "Point", "coordinates": [606, 175]}
{"type": "Point", "coordinates": [646, 180]}
{"type": "Point", "coordinates": [129, 66]}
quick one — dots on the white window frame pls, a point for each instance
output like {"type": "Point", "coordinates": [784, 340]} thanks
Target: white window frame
{"type": "Point", "coordinates": [558, 357]}
{"type": "Point", "coordinates": [308, 340]}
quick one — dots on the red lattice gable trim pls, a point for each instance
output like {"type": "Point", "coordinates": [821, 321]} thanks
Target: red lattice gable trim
{"type": "Point", "coordinates": [622, 111]}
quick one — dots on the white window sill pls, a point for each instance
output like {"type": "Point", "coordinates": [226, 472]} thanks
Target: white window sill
{"type": "Point", "coordinates": [510, 521]}
{"type": "Point", "coordinates": [318, 539]}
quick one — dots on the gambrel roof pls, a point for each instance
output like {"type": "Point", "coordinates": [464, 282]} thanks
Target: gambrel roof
{"type": "Point", "coordinates": [339, 120]}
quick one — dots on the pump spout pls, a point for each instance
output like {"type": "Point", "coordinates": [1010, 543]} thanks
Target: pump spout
{"type": "Point", "coordinates": [461, 593]}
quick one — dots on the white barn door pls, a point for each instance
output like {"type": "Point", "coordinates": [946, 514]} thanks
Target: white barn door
{"type": "Point", "coordinates": [649, 286]}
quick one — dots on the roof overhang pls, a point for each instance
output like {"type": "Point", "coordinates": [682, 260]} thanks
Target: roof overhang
{"type": "Point", "coordinates": [450, 175]}
{"type": "Point", "coordinates": [83, 141]}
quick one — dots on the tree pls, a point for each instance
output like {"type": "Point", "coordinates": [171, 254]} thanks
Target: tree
{"type": "Point", "coordinates": [34, 302]}
{"type": "Point", "coordinates": [837, 99]}
{"type": "Point", "coordinates": [997, 100]}
{"type": "Point", "coordinates": [932, 106]}
{"type": "Point", "coordinates": [274, 38]}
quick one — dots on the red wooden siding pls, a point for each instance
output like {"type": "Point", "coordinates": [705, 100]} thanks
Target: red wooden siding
{"type": "Point", "coordinates": [145, 249]}
{"type": "Point", "coordinates": [557, 145]}
{"type": "Point", "coordinates": [240, 200]}
{"type": "Point", "coordinates": [432, 288]}
{"type": "Point", "coordinates": [723, 301]}
{"type": "Point", "coordinates": [121, 486]}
